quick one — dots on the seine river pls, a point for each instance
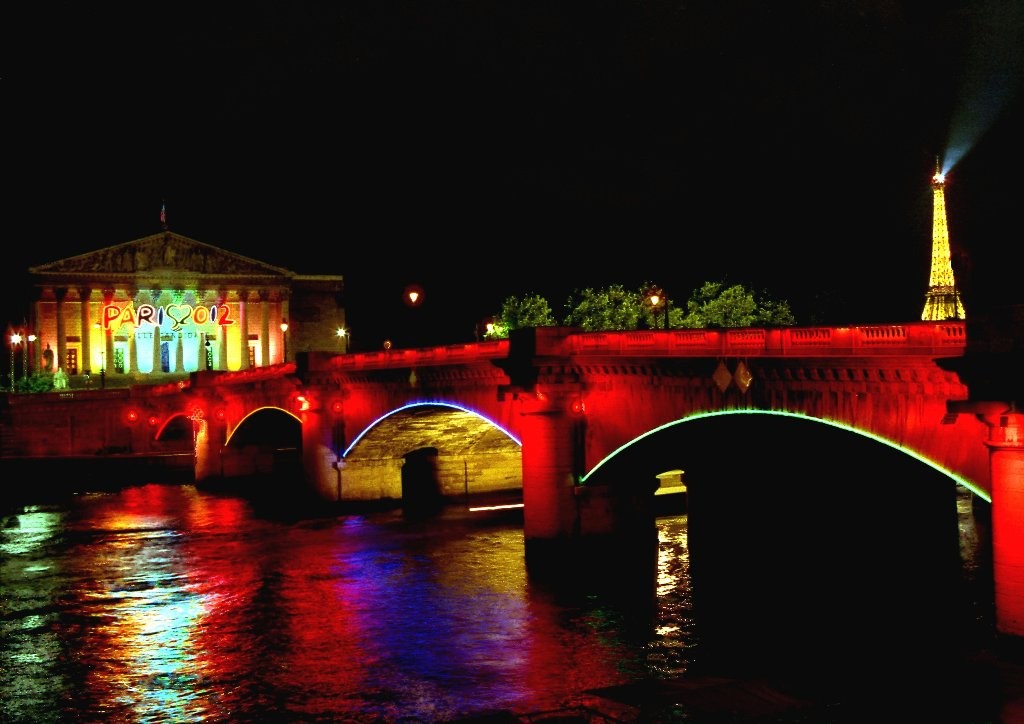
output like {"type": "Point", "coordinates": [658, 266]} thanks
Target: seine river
{"type": "Point", "coordinates": [162, 602]}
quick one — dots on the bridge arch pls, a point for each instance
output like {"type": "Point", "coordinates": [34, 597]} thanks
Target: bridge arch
{"type": "Point", "coordinates": [266, 443]}
{"type": "Point", "coordinates": [664, 460]}
{"type": "Point", "coordinates": [807, 536]}
{"type": "Point", "coordinates": [263, 423]}
{"type": "Point", "coordinates": [466, 452]}
{"type": "Point", "coordinates": [177, 426]}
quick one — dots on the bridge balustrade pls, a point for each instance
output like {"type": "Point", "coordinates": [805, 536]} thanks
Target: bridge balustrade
{"type": "Point", "coordinates": [423, 356]}
{"type": "Point", "coordinates": [926, 338]}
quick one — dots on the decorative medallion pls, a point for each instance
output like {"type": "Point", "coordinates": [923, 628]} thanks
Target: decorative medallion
{"type": "Point", "coordinates": [722, 377]}
{"type": "Point", "coordinates": [743, 376]}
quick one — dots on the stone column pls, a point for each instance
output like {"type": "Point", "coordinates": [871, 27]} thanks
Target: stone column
{"type": "Point", "coordinates": [62, 332]}
{"type": "Point", "coordinates": [130, 362]}
{"type": "Point", "coordinates": [179, 354]}
{"type": "Point", "coordinates": [243, 324]}
{"type": "Point", "coordinates": [204, 340]}
{"type": "Point", "coordinates": [154, 296]}
{"type": "Point", "coordinates": [107, 360]}
{"type": "Point", "coordinates": [264, 329]}
{"type": "Point", "coordinates": [220, 358]}
{"type": "Point", "coordinates": [85, 320]}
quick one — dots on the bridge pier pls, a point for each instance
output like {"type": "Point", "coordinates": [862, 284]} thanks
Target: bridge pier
{"type": "Point", "coordinates": [1006, 451]}
{"type": "Point", "coordinates": [210, 435]}
{"type": "Point", "coordinates": [549, 518]}
{"type": "Point", "coordinates": [319, 460]}
{"type": "Point", "coordinates": [569, 529]}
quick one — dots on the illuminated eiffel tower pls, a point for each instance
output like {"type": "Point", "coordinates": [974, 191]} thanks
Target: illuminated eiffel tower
{"type": "Point", "coordinates": [942, 301]}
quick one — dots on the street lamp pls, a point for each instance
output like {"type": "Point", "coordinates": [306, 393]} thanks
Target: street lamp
{"type": "Point", "coordinates": [15, 341]}
{"type": "Point", "coordinates": [657, 299]}
{"type": "Point", "coordinates": [413, 295]}
{"type": "Point", "coordinates": [284, 340]}
{"type": "Point", "coordinates": [346, 336]}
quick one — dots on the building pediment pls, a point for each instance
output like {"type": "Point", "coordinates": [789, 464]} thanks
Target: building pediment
{"type": "Point", "coordinates": [163, 252]}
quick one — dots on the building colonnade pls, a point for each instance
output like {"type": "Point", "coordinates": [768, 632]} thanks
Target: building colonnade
{"type": "Point", "coordinates": [140, 332]}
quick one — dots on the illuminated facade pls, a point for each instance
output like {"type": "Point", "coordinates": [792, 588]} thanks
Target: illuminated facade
{"type": "Point", "coordinates": [942, 301]}
{"type": "Point", "coordinates": [166, 304]}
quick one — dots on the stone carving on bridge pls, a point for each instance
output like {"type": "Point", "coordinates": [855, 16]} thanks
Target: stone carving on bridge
{"type": "Point", "coordinates": [722, 376]}
{"type": "Point", "coordinates": [742, 376]}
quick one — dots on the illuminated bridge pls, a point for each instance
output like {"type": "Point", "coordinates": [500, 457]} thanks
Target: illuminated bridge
{"type": "Point", "coordinates": [578, 426]}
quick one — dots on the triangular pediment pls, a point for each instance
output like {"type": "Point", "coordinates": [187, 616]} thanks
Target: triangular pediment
{"type": "Point", "coordinates": [165, 251]}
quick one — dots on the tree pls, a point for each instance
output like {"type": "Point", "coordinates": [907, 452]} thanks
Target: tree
{"type": "Point", "coordinates": [716, 304]}
{"type": "Point", "coordinates": [532, 310]}
{"type": "Point", "coordinates": [600, 309]}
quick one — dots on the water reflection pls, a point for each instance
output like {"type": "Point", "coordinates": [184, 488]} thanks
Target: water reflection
{"type": "Point", "coordinates": [164, 603]}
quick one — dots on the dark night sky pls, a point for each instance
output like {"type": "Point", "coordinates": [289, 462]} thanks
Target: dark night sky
{"type": "Point", "coordinates": [484, 149]}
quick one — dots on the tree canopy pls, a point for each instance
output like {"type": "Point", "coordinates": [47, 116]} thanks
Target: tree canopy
{"type": "Point", "coordinates": [714, 304]}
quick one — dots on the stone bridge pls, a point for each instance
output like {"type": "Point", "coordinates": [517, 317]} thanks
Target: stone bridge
{"type": "Point", "coordinates": [580, 425]}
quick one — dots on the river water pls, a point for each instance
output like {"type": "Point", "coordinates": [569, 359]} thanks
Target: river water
{"type": "Point", "coordinates": [158, 602]}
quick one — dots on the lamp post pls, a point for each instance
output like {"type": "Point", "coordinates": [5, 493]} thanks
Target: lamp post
{"type": "Point", "coordinates": [284, 340]}
{"type": "Point", "coordinates": [15, 341]}
{"type": "Point", "coordinates": [657, 299]}
{"type": "Point", "coordinates": [346, 336]}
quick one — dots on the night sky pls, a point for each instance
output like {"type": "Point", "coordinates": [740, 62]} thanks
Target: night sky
{"type": "Point", "coordinates": [487, 149]}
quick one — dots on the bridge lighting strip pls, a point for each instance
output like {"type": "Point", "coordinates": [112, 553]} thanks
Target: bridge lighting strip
{"type": "Point", "coordinates": [917, 456]}
{"type": "Point", "coordinates": [373, 424]}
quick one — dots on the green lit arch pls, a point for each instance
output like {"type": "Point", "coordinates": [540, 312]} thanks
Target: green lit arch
{"type": "Point", "coordinates": [960, 480]}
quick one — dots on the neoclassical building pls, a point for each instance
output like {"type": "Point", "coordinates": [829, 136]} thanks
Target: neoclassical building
{"type": "Point", "coordinates": [166, 304]}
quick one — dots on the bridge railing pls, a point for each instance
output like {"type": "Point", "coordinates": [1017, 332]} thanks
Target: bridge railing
{"type": "Point", "coordinates": [926, 339]}
{"type": "Point", "coordinates": [933, 339]}
{"type": "Point", "coordinates": [424, 356]}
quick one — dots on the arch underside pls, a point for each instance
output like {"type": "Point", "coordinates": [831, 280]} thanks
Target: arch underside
{"type": "Point", "coordinates": [472, 455]}
{"type": "Point", "coordinates": [777, 444]}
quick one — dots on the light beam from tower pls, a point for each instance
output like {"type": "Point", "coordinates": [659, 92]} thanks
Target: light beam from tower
{"type": "Point", "coordinates": [942, 300]}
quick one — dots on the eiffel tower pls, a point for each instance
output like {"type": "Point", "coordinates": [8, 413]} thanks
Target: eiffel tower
{"type": "Point", "coordinates": [942, 300]}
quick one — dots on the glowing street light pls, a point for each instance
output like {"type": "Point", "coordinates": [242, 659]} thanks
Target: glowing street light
{"type": "Point", "coordinates": [413, 295]}
{"type": "Point", "coordinates": [658, 301]}
{"type": "Point", "coordinates": [284, 340]}
{"type": "Point", "coordinates": [345, 335]}
{"type": "Point", "coordinates": [15, 341]}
